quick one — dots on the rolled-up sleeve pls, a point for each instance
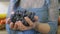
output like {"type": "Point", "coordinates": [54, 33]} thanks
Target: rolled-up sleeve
{"type": "Point", "coordinates": [53, 17]}
{"type": "Point", "coordinates": [53, 22]}
{"type": "Point", "coordinates": [53, 27]}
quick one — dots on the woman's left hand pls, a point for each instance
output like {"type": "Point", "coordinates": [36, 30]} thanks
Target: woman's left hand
{"type": "Point", "coordinates": [19, 26]}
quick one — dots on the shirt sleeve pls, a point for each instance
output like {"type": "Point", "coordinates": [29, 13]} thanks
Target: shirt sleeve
{"type": "Point", "coordinates": [48, 2]}
{"type": "Point", "coordinates": [53, 17]}
{"type": "Point", "coordinates": [11, 7]}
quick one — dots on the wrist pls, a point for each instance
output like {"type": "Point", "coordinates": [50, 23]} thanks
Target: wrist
{"type": "Point", "coordinates": [36, 25]}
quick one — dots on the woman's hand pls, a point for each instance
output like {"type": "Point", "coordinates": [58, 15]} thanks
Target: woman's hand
{"type": "Point", "coordinates": [19, 26]}
{"type": "Point", "coordinates": [22, 27]}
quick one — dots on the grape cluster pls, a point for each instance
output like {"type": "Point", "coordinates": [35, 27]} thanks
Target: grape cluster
{"type": "Point", "coordinates": [19, 16]}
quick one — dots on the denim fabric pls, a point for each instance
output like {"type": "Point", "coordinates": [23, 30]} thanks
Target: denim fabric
{"type": "Point", "coordinates": [43, 15]}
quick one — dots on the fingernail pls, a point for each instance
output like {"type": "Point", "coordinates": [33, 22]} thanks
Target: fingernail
{"type": "Point", "coordinates": [25, 17]}
{"type": "Point", "coordinates": [19, 21]}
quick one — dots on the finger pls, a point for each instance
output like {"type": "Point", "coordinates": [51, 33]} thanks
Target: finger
{"type": "Point", "coordinates": [15, 26]}
{"type": "Point", "coordinates": [11, 25]}
{"type": "Point", "coordinates": [36, 18]}
{"type": "Point", "coordinates": [8, 21]}
{"type": "Point", "coordinates": [19, 25]}
{"type": "Point", "coordinates": [28, 21]}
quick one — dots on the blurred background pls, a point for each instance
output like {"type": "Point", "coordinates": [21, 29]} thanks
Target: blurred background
{"type": "Point", "coordinates": [3, 11]}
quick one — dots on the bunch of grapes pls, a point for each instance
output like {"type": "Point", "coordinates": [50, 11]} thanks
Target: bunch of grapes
{"type": "Point", "coordinates": [19, 16]}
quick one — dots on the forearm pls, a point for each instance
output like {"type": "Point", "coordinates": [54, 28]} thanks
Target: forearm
{"type": "Point", "coordinates": [43, 27]}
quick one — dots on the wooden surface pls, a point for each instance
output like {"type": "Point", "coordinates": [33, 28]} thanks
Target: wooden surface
{"type": "Point", "coordinates": [3, 32]}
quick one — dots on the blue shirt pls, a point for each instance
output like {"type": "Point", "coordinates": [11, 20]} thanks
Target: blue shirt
{"type": "Point", "coordinates": [42, 13]}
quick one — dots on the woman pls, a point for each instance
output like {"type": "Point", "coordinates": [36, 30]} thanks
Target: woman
{"type": "Point", "coordinates": [43, 25]}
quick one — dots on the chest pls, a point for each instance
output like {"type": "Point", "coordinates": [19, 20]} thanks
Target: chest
{"type": "Point", "coordinates": [32, 3]}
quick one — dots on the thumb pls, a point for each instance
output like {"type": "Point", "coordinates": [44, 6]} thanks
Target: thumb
{"type": "Point", "coordinates": [28, 21]}
{"type": "Point", "coordinates": [8, 20]}
{"type": "Point", "coordinates": [36, 18]}
{"type": "Point", "coordinates": [11, 25]}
